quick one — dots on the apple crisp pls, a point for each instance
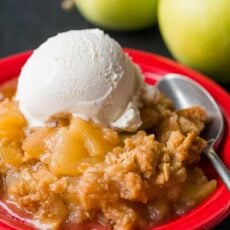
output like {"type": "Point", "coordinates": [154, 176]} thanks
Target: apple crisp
{"type": "Point", "coordinates": [73, 172]}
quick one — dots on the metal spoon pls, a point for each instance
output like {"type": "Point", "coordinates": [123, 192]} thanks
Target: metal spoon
{"type": "Point", "coordinates": [185, 93]}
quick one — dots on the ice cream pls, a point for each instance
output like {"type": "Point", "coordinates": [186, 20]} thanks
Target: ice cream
{"type": "Point", "coordinates": [84, 73]}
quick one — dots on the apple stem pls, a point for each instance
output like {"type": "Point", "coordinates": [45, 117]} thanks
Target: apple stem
{"type": "Point", "coordinates": [68, 4]}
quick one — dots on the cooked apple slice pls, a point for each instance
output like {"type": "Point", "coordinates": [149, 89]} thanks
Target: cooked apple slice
{"type": "Point", "coordinates": [93, 137]}
{"type": "Point", "coordinates": [35, 144]}
{"type": "Point", "coordinates": [11, 154]}
{"type": "Point", "coordinates": [68, 152]}
{"type": "Point", "coordinates": [12, 121]}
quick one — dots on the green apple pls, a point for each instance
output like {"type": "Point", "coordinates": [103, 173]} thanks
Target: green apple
{"type": "Point", "coordinates": [197, 32]}
{"type": "Point", "coordinates": [119, 14]}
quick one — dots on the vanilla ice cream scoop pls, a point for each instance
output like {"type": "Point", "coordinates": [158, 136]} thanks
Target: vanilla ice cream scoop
{"type": "Point", "coordinates": [85, 73]}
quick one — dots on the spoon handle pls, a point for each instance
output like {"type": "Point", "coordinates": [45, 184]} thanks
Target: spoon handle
{"type": "Point", "coordinates": [217, 163]}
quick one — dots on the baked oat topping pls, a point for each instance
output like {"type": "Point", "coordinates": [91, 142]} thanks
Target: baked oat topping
{"type": "Point", "coordinates": [75, 171]}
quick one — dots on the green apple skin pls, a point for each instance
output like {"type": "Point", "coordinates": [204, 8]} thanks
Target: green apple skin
{"type": "Point", "coordinates": [119, 14]}
{"type": "Point", "coordinates": [197, 32]}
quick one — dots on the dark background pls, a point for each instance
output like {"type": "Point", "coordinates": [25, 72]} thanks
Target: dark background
{"type": "Point", "coordinates": [25, 24]}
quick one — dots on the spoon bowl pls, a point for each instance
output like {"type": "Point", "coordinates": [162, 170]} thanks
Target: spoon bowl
{"type": "Point", "coordinates": [186, 93]}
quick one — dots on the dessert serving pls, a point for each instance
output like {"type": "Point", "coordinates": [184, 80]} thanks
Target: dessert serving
{"type": "Point", "coordinates": [86, 144]}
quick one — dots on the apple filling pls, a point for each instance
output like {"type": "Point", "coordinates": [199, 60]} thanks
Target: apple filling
{"type": "Point", "coordinates": [72, 172]}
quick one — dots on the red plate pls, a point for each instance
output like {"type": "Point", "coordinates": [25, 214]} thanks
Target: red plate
{"type": "Point", "coordinates": [217, 206]}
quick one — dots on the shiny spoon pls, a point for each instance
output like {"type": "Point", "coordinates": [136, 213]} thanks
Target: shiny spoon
{"type": "Point", "coordinates": [186, 93]}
